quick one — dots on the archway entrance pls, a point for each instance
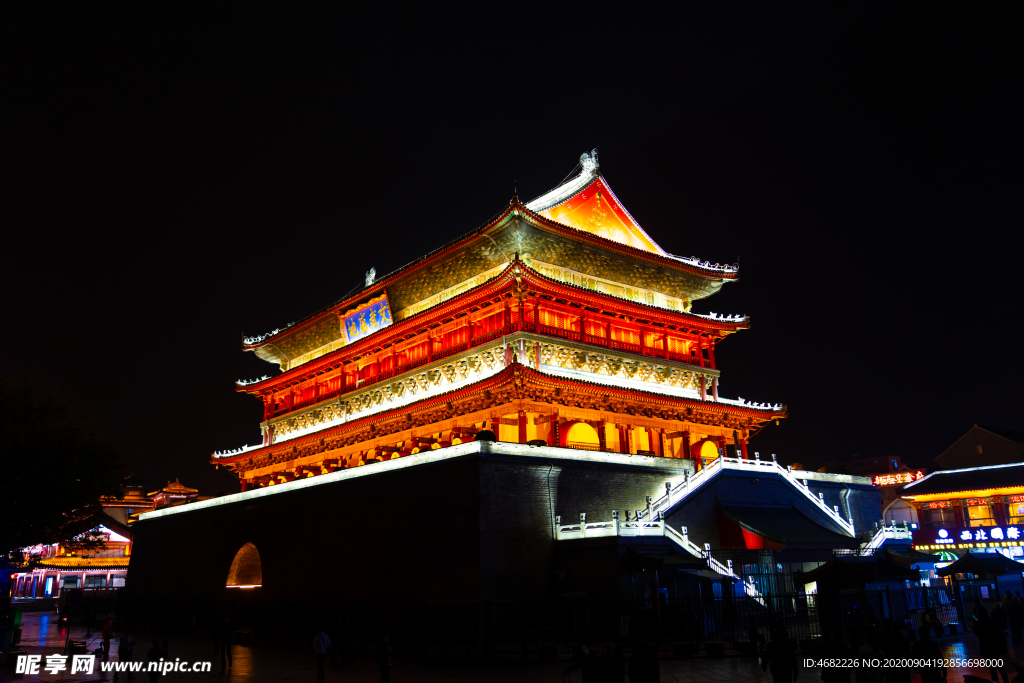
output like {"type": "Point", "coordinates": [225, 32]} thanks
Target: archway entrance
{"type": "Point", "coordinates": [582, 436]}
{"type": "Point", "coordinates": [246, 569]}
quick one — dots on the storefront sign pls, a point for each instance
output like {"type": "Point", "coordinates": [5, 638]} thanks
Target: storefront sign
{"type": "Point", "coordinates": [966, 538]}
{"type": "Point", "coordinates": [898, 479]}
{"type": "Point", "coordinates": [937, 505]}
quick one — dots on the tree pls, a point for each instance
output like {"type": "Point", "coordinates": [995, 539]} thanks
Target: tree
{"type": "Point", "coordinates": [55, 469]}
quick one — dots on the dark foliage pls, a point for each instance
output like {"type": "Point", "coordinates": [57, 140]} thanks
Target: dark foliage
{"type": "Point", "coordinates": [55, 470]}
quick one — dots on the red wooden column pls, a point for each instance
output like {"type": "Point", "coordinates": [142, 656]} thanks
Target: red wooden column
{"type": "Point", "coordinates": [740, 444]}
{"type": "Point", "coordinates": [553, 436]}
{"type": "Point", "coordinates": [602, 435]}
{"type": "Point", "coordinates": [522, 427]}
{"type": "Point", "coordinates": [720, 440]}
{"type": "Point", "coordinates": [686, 446]}
{"type": "Point", "coordinates": [703, 389]}
{"type": "Point", "coordinates": [714, 388]}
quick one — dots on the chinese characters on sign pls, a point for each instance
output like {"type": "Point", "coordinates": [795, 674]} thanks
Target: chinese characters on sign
{"type": "Point", "coordinates": [975, 537]}
{"type": "Point", "coordinates": [367, 319]}
{"type": "Point", "coordinates": [897, 478]}
{"type": "Point", "coordinates": [29, 664]}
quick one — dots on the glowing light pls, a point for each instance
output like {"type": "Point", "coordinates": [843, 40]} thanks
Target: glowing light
{"type": "Point", "coordinates": [247, 382]}
{"type": "Point", "coordinates": [249, 341]}
{"type": "Point", "coordinates": [898, 478]}
{"type": "Point", "coordinates": [237, 451]}
{"type": "Point", "coordinates": [451, 452]}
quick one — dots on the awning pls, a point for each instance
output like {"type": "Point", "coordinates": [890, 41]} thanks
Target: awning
{"type": "Point", "coordinates": [859, 571]}
{"type": "Point", "coordinates": [908, 557]}
{"type": "Point", "coordinates": [786, 525]}
{"type": "Point", "coordinates": [982, 563]}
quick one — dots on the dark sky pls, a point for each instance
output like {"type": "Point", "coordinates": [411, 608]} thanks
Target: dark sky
{"type": "Point", "coordinates": [175, 177]}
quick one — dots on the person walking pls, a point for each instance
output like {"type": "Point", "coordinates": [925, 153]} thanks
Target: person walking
{"type": "Point", "coordinates": [643, 663]}
{"type": "Point", "coordinates": [612, 669]}
{"type": "Point", "coordinates": [225, 634]}
{"type": "Point", "coordinates": [991, 644]}
{"type": "Point", "coordinates": [106, 633]}
{"type": "Point", "coordinates": [781, 657]}
{"type": "Point", "coordinates": [1015, 617]}
{"type": "Point", "coordinates": [321, 643]}
{"type": "Point", "coordinates": [833, 647]}
{"type": "Point", "coordinates": [927, 650]}
{"type": "Point", "coordinates": [870, 650]}
{"type": "Point", "coordinates": [1000, 621]}
{"type": "Point", "coordinates": [895, 646]}
{"type": "Point", "coordinates": [125, 646]}
{"type": "Point", "coordinates": [384, 660]}
{"type": "Point", "coordinates": [154, 655]}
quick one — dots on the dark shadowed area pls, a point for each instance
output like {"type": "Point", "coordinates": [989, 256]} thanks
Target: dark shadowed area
{"type": "Point", "coordinates": [174, 177]}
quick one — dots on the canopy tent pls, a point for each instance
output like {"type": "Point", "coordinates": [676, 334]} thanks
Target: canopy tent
{"type": "Point", "coordinates": [858, 573]}
{"type": "Point", "coordinates": [983, 563]}
{"type": "Point", "coordinates": [909, 557]}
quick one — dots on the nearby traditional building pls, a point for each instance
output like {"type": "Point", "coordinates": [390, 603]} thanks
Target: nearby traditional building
{"type": "Point", "coordinates": [545, 367]}
{"type": "Point", "coordinates": [982, 446]}
{"type": "Point", "coordinates": [49, 569]}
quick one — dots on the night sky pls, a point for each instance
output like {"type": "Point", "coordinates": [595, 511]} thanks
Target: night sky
{"type": "Point", "coordinates": [175, 177]}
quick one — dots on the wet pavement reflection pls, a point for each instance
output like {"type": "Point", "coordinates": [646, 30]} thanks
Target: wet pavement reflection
{"type": "Point", "coordinates": [41, 634]}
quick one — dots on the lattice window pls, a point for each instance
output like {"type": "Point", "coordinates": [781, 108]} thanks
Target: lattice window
{"type": "Point", "coordinates": [628, 336]}
{"type": "Point", "coordinates": [676, 345]}
{"type": "Point", "coordinates": [594, 328]}
{"type": "Point", "coordinates": [558, 319]}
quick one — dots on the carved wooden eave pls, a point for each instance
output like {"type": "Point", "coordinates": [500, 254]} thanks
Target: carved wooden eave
{"type": "Point", "coordinates": [320, 328]}
{"type": "Point", "coordinates": [516, 278]}
{"type": "Point", "coordinates": [517, 387]}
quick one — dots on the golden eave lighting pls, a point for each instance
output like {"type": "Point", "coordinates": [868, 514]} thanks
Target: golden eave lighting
{"type": "Point", "coordinates": [979, 493]}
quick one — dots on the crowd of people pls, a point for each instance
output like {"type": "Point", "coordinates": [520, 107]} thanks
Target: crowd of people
{"type": "Point", "coordinates": [870, 639]}
{"type": "Point", "coordinates": [605, 663]}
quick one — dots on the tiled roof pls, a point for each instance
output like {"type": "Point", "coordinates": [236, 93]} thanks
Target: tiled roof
{"type": "Point", "coordinates": [1017, 437]}
{"type": "Point", "coordinates": [970, 479]}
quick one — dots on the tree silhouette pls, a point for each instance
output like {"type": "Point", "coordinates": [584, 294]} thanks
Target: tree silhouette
{"type": "Point", "coordinates": [55, 469]}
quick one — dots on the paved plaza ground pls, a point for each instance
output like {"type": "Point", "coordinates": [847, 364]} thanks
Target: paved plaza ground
{"type": "Point", "coordinates": [40, 635]}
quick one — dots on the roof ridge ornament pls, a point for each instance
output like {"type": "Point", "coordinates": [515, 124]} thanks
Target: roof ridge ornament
{"type": "Point", "coordinates": [371, 275]}
{"type": "Point", "coordinates": [589, 162]}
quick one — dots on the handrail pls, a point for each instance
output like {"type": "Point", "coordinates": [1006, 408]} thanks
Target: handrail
{"type": "Point", "coordinates": [897, 533]}
{"type": "Point", "coordinates": [656, 527]}
{"type": "Point", "coordinates": [689, 484]}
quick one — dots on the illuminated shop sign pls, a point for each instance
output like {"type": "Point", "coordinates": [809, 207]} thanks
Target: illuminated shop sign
{"type": "Point", "coordinates": [367, 319]}
{"type": "Point", "coordinates": [973, 537]}
{"type": "Point", "coordinates": [898, 478]}
{"type": "Point", "coordinates": [937, 505]}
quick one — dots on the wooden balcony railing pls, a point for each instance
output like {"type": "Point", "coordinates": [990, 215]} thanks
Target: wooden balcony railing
{"type": "Point", "coordinates": [545, 330]}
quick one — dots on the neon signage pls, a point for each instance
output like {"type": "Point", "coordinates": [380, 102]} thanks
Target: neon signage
{"type": "Point", "coordinates": [965, 538]}
{"type": "Point", "coordinates": [898, 478]}
{"type": "Point", "coordinates": [939, 505]}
